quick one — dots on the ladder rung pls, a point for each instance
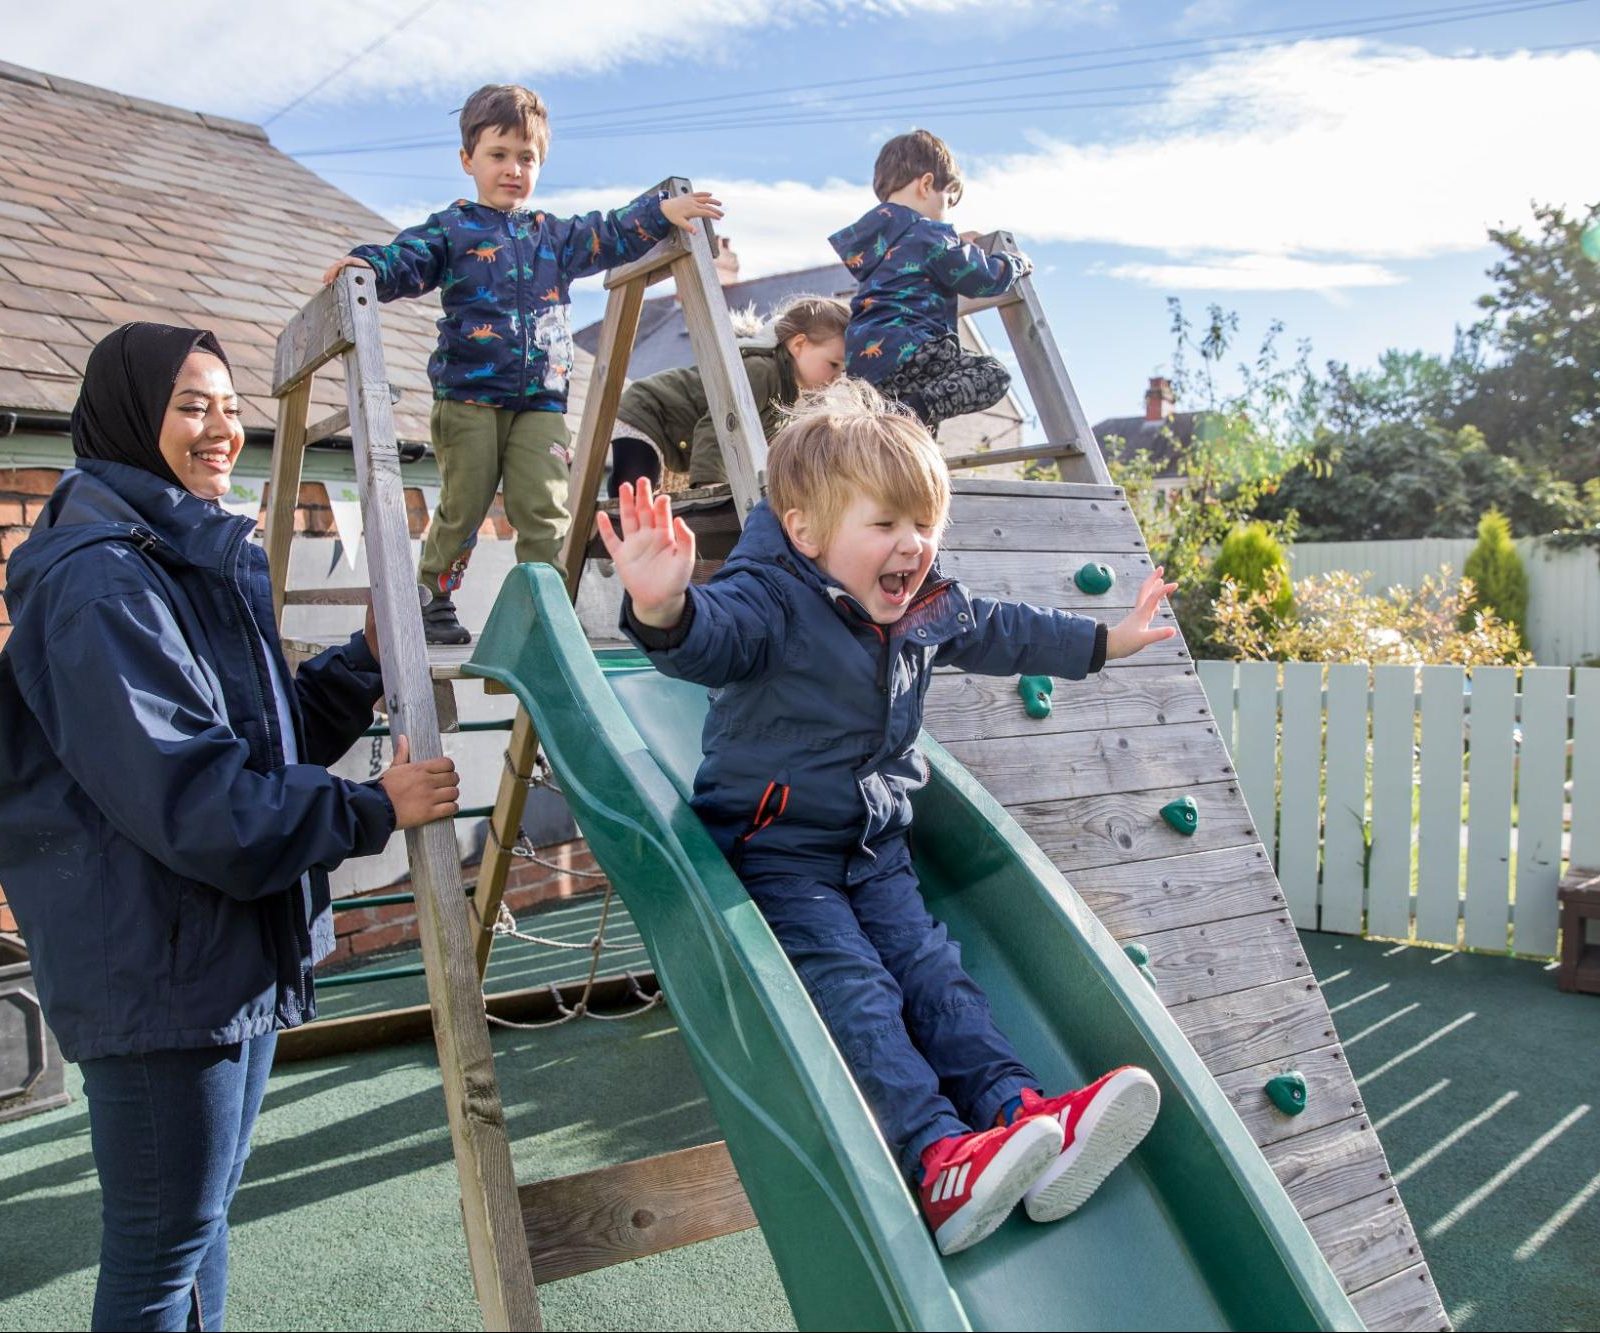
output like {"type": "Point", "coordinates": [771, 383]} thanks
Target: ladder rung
{"type": "Point", "coordinates": [1025, 454]}
{"type": "Point", "coordinates": [971, 305]}
{"type": "Point", "coordinates": [653, 266]}
{"type": "Point", "coordinates": [327, 596]}
{"type": "Point", "coordinates": [338, 422]}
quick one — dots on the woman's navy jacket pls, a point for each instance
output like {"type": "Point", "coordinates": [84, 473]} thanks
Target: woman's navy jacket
{"type": "Point", "coordinates": [810, 741]}
{"type": "Point", "coordinates": [152, 841]}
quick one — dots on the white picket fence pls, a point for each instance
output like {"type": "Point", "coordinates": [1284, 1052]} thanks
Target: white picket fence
{"type": "Point", "coordinates": [1563, 624]}
{"type": "Point", "coordinates": [1429, 803]}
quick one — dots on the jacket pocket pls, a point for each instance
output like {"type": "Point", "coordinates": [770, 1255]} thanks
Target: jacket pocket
{"type": "Point", "coordinates": [774, 801]}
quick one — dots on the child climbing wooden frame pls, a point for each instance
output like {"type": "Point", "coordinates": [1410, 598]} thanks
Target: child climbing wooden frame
{"type": "Point", "coordinates": [559, 1227]}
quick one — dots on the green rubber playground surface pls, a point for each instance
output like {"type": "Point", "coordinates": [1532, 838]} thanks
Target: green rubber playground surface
{"type": "Point", "coordinates": [1482, 1078]}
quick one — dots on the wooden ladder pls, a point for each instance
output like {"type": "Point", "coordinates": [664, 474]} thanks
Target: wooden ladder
{"type": "Point", "coordinates": [551, 1228]}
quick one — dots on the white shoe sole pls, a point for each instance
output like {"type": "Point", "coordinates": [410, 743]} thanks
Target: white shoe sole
{"type": "Point", "coordinates": [1015, 1167]}
{"type": "Point", "coordinates": [1118, 1118]}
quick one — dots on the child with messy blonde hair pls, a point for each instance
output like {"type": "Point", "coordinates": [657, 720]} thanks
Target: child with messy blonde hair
{"type": "Point", "coordinates": [819, 637]}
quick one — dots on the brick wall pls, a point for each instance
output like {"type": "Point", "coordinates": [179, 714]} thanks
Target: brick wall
{"type": "Point", "coordinates": [23, 492]}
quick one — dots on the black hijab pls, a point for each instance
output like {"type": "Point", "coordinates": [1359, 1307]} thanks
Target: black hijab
{"type": "Point", "coordinates": [127, 385]}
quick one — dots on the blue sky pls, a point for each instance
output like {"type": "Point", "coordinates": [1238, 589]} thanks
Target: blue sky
{"type": "Point", "coordinates": [1339, 176]}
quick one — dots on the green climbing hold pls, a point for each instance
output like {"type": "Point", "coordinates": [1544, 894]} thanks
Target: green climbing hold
{"type": "Point", "coordinates": [1183, 814]}
{"type": "Point", "coordinates": [1035, 692]}
{"type": "Point", "coordinates": [1095, 579]}
{"type": "Point", "coordinates": [1287, 1091]}
{"type": "Point", "coordinates": [1139, 956]}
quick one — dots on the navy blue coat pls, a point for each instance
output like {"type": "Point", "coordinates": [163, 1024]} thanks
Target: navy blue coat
{"type": "Point", "coordinates": [152, 841]}
{"type": "Point", "coordinates": [503, 280]}
{"type": "Point", "coordinates": [810, 742]}
{"type": "Point", "coordinates": [910, 269]}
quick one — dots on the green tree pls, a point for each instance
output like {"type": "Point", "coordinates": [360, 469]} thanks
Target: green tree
{"type": "Point", "coordinates": [1494, 569]}
{"type": "Point", "coordinates": [1538, 396]}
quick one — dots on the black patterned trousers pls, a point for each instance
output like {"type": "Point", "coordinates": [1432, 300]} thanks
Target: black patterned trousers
{"type": "Point", "coordinates": [941, 380]}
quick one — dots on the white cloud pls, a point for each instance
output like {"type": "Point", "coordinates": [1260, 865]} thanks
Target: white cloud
{"type": "Point", "coordinates": [1309, 166]}
{"type": "Point", "coordinates": [247, 60]}
{"type": "Point", "coordinates": [1254, 273]}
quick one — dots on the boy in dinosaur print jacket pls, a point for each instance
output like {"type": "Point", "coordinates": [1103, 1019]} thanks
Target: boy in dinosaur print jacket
{"type": "Point", "coordinates": [912, 267]}
{"type": "Point", "coordinates": [505, 350]}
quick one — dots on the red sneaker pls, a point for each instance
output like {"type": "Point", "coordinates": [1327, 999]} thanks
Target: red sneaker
{"type": "Point", "coordinates": [971, 1182]}
{"type": "Point", "coordinates": [1101, 1125]}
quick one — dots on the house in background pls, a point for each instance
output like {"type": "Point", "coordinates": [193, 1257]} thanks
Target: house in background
{"type": "Point", "coordinates": [113, 209]}
{"type": "Point", "coordinates": [1159, 432]}
{"type": "Point", "coordinates": [663, 344]}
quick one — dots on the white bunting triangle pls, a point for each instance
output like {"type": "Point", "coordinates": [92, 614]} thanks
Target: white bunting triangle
{"type": "Point", "coordinates": [347, 523]}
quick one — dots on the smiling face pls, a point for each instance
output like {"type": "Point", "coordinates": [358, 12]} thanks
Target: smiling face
{"type": "Point", "coordinates": [879, 554]}
{"type": "Point", "coordinates": [505, 166]}
{"type": "Point", "coordinates": [200, 434]}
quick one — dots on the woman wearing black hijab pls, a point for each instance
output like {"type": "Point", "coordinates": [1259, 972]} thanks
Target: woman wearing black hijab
{"type": "Point", "coordinates": [167, 819]}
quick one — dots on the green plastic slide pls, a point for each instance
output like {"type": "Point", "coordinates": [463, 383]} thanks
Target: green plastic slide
{"type": "Point", "coordinates": [1194, 1232]}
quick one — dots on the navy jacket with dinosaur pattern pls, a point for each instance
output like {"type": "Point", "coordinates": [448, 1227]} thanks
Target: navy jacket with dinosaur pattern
{"type": "Point", "coordinates": [911, 270]}
{"type": "Point", "coordinates": [504, 339]}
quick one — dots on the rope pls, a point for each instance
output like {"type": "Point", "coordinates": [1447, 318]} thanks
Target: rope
{"type": "Point", "coordinates": [582, 1010]}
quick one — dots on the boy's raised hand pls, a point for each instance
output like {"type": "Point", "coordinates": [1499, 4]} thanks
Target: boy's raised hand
{"type": "Point", "coordinates": [349, 261]}
{"type": "Point", "coordinates": [1133, 631]}
{"type": "Point", "coordinates": [654, 555]}
{"type": "Point", "coordinates": [682, 209]}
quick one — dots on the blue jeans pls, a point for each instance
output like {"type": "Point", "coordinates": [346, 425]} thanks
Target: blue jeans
{"type": "Point", "coordinates": [912, 1026]}
{"type": "Point", "coordinates": [170, 1131]}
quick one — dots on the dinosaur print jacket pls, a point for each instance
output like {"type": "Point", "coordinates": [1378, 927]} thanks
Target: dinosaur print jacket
{"type": "Point", "coordinates": [911, 270]}
{"type": "Point", "coordinates": [504, 339]}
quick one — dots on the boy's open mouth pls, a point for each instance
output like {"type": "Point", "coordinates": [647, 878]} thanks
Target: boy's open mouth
{"type": "Point", "coordinates": [897, 586]}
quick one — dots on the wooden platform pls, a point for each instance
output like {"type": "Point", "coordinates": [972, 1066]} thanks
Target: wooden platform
{"type": "Point", "coordinates": [1088, 782]}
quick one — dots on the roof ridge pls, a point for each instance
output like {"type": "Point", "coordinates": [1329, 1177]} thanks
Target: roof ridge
{"type": "Point", "coordinates": [91, 92]}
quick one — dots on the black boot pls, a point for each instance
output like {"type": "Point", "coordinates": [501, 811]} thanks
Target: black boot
{"type": "Point", "coordinates": [439, 623]}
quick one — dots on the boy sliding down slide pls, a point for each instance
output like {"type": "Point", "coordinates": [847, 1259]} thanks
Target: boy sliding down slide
{"type": "Point", "coordinates": [824, 626]}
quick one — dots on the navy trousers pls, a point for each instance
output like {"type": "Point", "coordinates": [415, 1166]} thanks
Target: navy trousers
{"type": "Point", "coordinates": [170, 1132]}
{"type": "Point", "coordinates": [913, 1027]}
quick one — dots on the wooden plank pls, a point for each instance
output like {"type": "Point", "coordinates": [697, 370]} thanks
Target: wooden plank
{"type": "Point", "coordinates": [1300, 803]}
{"type": "Point", "coordinates": [521, 759]}
{"type": "Point", "coordinates": [1217, 680]}
{"type": "Point", "coordinates": [1586, 768]}
{"type": "Point", "coordinates": [1270, 1023]}
{"type": "Point", "coordinates": [991, 522]}
{"type": "Point", "coordinates": [1394, 711]}
{"type": "Point", "coordinates": [1439, 806]}
{"type": "Point", "coordinates": [1107, 830]}
{"type": "Point", "coordinates": [337, 422]}
{"type": "Point", "coordinates": [1366, 1240]}
{"type": "Point", "coordinates": [317, 334]}
{"type": "Point", "coordinates": [598, 1218]}
{"type": "Point", "coordinates": [1129, 759]}
{"type": "Point", "coordinates": [1021, 576]}
{"type": "Point", "coordinates": [445, 660]}
{"type": "Point", "coordinates": [1344, 834]}
{"type": "Point", "coordinates": [963, 707]}
{"type": "Point", "coordinates": [1256, 754]}
{"type": "Point", "coordinates": [1491, 771]}
{"type": "Point", "coordinates": [653, 266]}
{"type": "Point", "coordinates": [975, 305]}
{"type": "Point", "coordinates": [1541, 777]}
{"type": "Point", "coordinates": [1406, 1302]}
{"type": "Point", "coordinates": [535, 1004]}
{"type": "Point", "coordinates": [1022, 454]}
{"type": "Point", "coordinates": [609, 374]}
{"type": "Point", "coordinates": [1221, 956]}
{"type": "Point", "coordinates": [327, 597]}
{"type": "Point", "coordinates": [496, 1247]}
{"type": "Point", "coordinates": [1331, 1095]}
{"type": "Point", "coordinates": [1045, 371]}
{"type": "Point", "coordinates": [288, 455]}
{"type": "Point", "coordinates": [1175, 891]}
{"type": "Point", "coordinates": [730, 402]}
{"type": "Point", "coordinates": [1059, 490]}
{"type": "Point", "coordinates": [1323, 1169]}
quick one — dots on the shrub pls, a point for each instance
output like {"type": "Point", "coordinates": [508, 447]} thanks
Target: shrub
{"type": "Point", "coordinates": [1335, 621]}
{"type": "Point", "coordinates": [1500, 584]}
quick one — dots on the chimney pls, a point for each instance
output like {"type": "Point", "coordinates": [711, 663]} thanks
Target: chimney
{"type": "Point", "coordinates": [1158, 399]}
{"type": "Point", "coordinates": [726, 262]}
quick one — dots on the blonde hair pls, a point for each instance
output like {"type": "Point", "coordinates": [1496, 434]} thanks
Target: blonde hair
{"type": "Point", "coordinates": [848, 440]}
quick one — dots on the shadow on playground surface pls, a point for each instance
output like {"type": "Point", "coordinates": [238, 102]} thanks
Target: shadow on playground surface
{"type": "Point", "coordinates": [1482, 1079]}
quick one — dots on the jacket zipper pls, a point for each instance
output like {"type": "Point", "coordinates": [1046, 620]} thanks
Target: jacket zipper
{"type": "Point", "coordinates": [522, 310]}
